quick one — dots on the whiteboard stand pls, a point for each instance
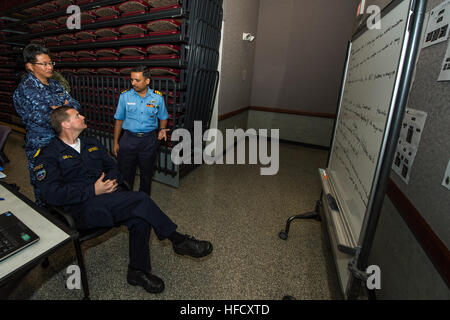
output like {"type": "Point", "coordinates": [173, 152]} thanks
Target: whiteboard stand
{"type": "Point", "coordinates": [359, 264]}
{"type": "Point", "coordinates": [372, 103]}
{"type": "Point", "coordinates": [283, 234]}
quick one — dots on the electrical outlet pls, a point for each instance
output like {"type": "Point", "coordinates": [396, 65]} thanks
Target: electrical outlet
{"type": "Point", "coordinates": [446, 181]}
{"type": "Point", "coordinates": [244, 75]}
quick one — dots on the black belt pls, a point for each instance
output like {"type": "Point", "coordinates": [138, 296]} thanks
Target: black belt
{"type": "Point", "coordinates": [140, 134]}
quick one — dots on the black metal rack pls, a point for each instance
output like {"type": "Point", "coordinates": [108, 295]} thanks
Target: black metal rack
{"type": "Point", "coordinates": [170, 13]}
{"type": "Point", "coordinates": [189, 92]}
{"type": "Point", "coordinates": [83, 7]}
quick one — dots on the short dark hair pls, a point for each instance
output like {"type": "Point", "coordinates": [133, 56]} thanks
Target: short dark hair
{"type": "Point", "coordinates": [31, 51]}
{"type": "Point", "coordinates": [141, 68]}
{"type": "Point", "coordinates": [58, 116]}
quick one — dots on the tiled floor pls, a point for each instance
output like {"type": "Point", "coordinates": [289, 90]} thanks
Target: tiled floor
{"type": "Point", "coordinates": [233, 206]}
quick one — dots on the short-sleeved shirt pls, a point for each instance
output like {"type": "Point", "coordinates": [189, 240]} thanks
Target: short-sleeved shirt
{"type": "Point", "coordinates": [141, 114]}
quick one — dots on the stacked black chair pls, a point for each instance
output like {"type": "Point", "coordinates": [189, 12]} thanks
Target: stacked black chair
{"type": "Point", "coordinates": [177, 39]}
{"type": "Point", "coordinates": [4, 133]}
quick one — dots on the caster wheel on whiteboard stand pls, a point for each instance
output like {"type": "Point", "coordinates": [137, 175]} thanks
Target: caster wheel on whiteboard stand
{"type": "Point", "coordinates": [283, 234]}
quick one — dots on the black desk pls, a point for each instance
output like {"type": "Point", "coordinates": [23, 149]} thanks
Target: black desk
{"type": "Point", "coordinates": [53, 234]}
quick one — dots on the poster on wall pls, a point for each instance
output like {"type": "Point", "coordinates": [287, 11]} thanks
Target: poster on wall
{"type": "Point", "coordinates": [438, 25]}
{"type": "Point", "coordinates": [408, 142]}
{"type": "Point", "coordinates": [444, 75]}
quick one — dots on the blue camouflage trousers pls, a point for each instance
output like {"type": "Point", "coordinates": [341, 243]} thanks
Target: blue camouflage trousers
{"type": "Point", "coordinates": [34, 142]}
{"type": "Point", "coordinates": [37, 194]}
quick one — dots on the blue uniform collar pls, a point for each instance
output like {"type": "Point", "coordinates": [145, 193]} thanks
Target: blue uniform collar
{"type": "Point", "coordinates": [37, 81]}
{"type": "Point", "coordinates": [61, 145]}
{"type": "Point", "coordinates": [148, 94]}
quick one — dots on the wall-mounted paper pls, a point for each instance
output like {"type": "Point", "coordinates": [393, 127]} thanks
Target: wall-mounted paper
{"type": "Point", "coordinates": [444, 75]}
{"type": "Point", "coordinates": [438, 24]}
{"type": "Point", "coordinates": [408, 142]}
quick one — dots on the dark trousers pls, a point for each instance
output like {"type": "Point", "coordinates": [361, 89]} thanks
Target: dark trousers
{"type": "Point", "coordinates": [134, 151]}
{"type": "Point", "coordinates": [137, 211]}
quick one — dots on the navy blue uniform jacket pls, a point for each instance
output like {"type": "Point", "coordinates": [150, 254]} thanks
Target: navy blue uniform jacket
{"type": "Point", "coordinates": [66, 177]}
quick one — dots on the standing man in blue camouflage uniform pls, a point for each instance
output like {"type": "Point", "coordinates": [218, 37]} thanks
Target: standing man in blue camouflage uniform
{"type": "Point", "coordinates": [142, 113]}
{"type": "Point", "coordinates": [35, 98]}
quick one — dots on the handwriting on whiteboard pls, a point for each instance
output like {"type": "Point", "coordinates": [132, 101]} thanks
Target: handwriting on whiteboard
{"type": "Point", "coordinates": [372, 41]}
{"type": "Point", "coordinates": [352, 173]}
{"type": "Point", "coordinates": [362, 118]}
{"type": "Point", "coordinates": [372, 77]}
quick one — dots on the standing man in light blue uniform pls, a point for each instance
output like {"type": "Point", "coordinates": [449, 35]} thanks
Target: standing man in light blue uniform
{"type": "Point", "coordinates": [142, 114]}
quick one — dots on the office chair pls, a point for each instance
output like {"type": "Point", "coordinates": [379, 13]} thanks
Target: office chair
{"type": "Point", "coordinates": [4, 133]}
{"type": "Point", "coordinates": [84, 235]}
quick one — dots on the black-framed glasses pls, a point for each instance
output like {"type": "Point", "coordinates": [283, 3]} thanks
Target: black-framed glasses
{"type": "Point", "coordinates": [44, 64]}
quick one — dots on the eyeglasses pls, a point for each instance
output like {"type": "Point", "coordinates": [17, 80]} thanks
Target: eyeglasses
{"type": "Point", "coordinates": [45, 64]}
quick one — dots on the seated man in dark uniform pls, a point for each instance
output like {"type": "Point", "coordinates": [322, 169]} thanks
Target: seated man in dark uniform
{"type": "Point", "coordinates": [77, 173]}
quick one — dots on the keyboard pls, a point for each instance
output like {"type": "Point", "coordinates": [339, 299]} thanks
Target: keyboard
{"type": "Point", "coordinates": [6, 242]}
{"type": "Point", "coordinates": [14, 235]}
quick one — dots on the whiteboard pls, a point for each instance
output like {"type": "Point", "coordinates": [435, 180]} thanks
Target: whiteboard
{"type": "Point", "coordinates": [367, 99]}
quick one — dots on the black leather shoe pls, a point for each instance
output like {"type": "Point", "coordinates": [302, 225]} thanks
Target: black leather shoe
{"type": "Point", "coordinates": [148, 281]}
{"type": "Point", "coordinates": [193, 247]}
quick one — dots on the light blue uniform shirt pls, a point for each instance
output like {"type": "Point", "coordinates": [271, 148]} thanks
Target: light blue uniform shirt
{"type": "Point", "coordinates": [141, 114]}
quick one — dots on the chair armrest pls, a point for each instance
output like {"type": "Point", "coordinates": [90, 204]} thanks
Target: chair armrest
{"type": "Point", "coordinates": [125, 186]}
{"type": "Point", "coordinates": [66, 217]}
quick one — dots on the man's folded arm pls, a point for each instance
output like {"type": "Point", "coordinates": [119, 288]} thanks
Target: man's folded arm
{"type": "Point", "coordinates": [72, 102]}
{"type": "Point", "coordinates": [31, 110]}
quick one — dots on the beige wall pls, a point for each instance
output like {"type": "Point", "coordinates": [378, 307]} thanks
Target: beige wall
{"type": "Point", "coordinates": [300, 53]}
{"type": "Point", "coordinates": [296, 62]}
{"type": "Point", "coordinates": [237, 55]}
{"type": "Point", "coordinates": [297, 128]}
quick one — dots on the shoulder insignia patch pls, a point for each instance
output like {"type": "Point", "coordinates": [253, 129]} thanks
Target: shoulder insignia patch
{"type": "Point", "coordinates": [67, 157]}
{"type": "Point", "coordinates": [158, 92]}
{"type": "Point", "coordinates": [37, 153]}
{"type": "Point", "coordinates": [38, 167]}
{"type": "Point", "coordinates": [93, 149]}
{"type": "Point", "coordinates": [40, 175]}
